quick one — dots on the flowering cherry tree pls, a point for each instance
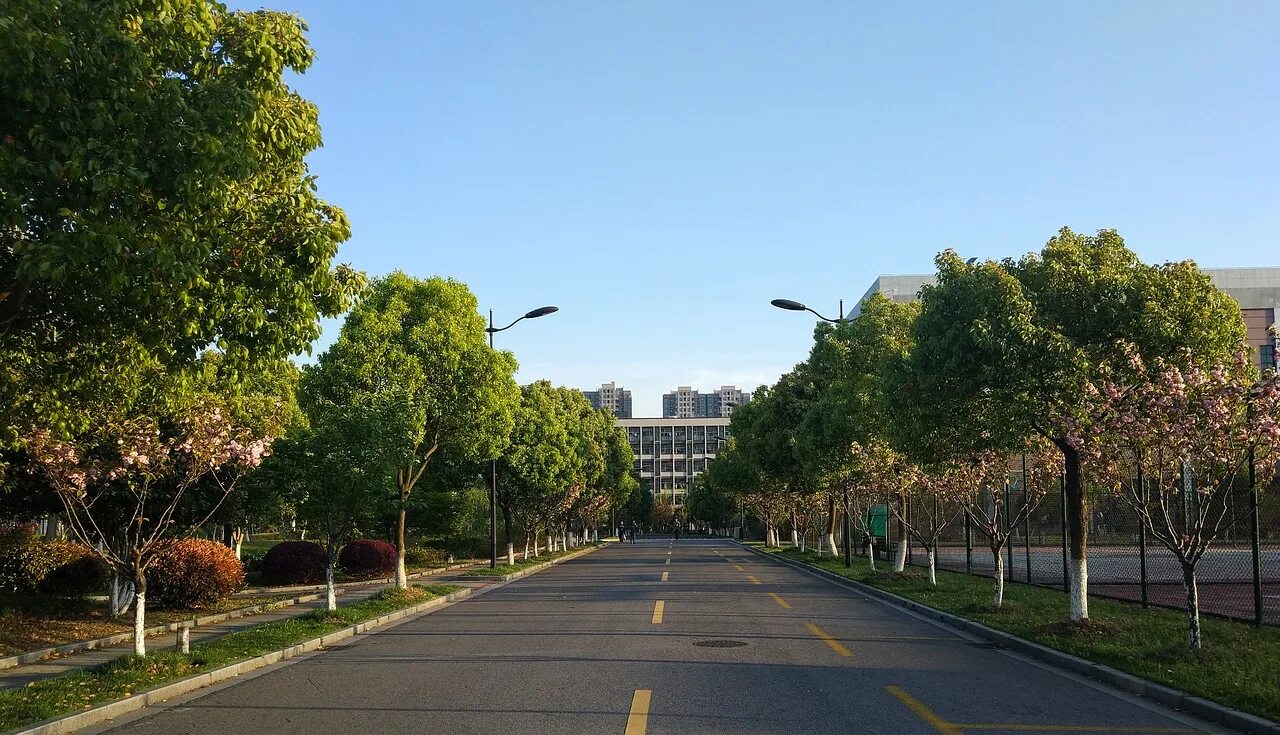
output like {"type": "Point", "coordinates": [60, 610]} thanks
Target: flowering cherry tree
{"type": "Point", "coordinates": [123, 486]}
{"type": "Point", "coordinates": [874, 466]}
{"type": "Point", "coordinates": [1174, 440]}
{"type": "Point", "coordinates": [1043, 469]}
{"type": "Point", "coordinates": [939, 490]}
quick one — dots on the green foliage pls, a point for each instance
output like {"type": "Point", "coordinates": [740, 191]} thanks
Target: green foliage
{"type": "Point", "coordinates": [26, 559]}
{"type": "Point", "coordinates": [710, 502]}
{"type": "Point", "coordinates": [154, 200]}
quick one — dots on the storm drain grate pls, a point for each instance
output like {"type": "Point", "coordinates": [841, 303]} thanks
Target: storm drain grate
{"type": "Point", "coordinates": [720, 643]}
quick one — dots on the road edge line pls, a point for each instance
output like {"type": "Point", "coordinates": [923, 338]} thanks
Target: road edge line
{"type": "Point", "coordinates": [1129, 683]}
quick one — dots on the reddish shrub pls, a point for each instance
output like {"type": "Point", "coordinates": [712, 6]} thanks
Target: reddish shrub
{"type": "Point", "coordinates": [368, 558]}
{"type": "Point", "coordinates": [193, 573]}
{"type": "Point", "coordinates": [294, 562]}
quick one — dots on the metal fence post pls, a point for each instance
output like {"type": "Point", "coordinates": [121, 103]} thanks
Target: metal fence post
{"type": "Point", "coordinates": [1066, 578]}
{"type": "Point", "coordinates": [1255, 538]}
{"type": "Point", "coordinates": [1007, 519]}
{"type": "Point", "coordinates": [1142, 539]}
{"type": "Point", "coordinates": [968, 545]}
{"type": "Point", "coordinates": [1026, 519]}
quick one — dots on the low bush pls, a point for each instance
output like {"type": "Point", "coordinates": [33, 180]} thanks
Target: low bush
{"type": "Point", "coordinates": [425, 556]}
{"type": "Point", "coordinates": [26, 558]}
{"type": "Point", "coordinates": [193, 573]}
{"type": "Point", "coordinates": [252, 561]}
{"type": "Point", "coordinates": [367, 558]}
{"type": "Point", "coordinates": [85, 575]}
{"type": "Point", "coordinates": [294, 562]}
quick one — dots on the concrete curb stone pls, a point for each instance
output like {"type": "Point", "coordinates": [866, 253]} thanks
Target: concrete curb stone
{"type": "Point", "coordinates": [1168, 696]}
{"type": "Point", "coordinates": [112, 710]}
{"type": "Point", "coordinates": [92, 644]}
{"type": "Point", "coordinates": [539, 567]}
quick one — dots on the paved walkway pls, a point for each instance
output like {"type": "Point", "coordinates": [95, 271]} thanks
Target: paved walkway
{"type": "Point", "coordinates": [696, 637]}
{"type": "Point", "coordinates": [20, 676]}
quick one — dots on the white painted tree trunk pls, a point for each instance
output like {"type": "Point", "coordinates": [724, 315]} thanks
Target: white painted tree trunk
{"type": "Point", "coordinates": [511, 554]}
{"type": "Point", "coordinates": [1193, 607]}
{"type": "Point", "coordinates": [526, 546]}
{"type": "Point", "coordinates": [551, 544]}
{"type": "Point", "coordinates": [795, 538]}
{"type": "Point", "coordinates": [1078, 570]}
{"type": "Point", "coordinates": [871, 552]}
{"type": "Point", "coordinates": [831, 544]}
{"type": "Point", "coordinates": [802, 540]}
{"type": "Point", "coordinates": [330, 590]}
{"type": "Point", "coordinates": [239, 545]}
{"type": "Point", "coordinates": [998, 598]}
{"type": "Point", "coordinates": [900, 556]}
{"type": "Point", "coordinates": [140, 624]}
{"type": "Point", "coordinates": [933, 568]}
{"type": "Point", "coordinates": [402, 576]}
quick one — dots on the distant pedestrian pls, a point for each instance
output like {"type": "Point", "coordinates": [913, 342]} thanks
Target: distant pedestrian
{"type": "Point", "coordinates": [677, 528]}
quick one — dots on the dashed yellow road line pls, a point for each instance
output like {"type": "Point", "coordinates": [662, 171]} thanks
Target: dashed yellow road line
{"type": "Point", "coordinates": [739, 567]}
{"type": "Point", "coordinates": [781, 602]}
{"type": "Point", "coordinates": [835, 645]}
{"type": "Point", "coordinates": [937, 723]}
{"type": "Point", "coordinates": [658, 607]}
{"type": "Point", "coordinates": [638, 719]}
{"type": "Point", "coordinates": [753, 579]}
{"type": "Point", "coordinates": [664, 576]}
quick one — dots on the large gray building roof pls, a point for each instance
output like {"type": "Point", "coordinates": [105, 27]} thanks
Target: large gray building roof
{"type": "Point", "coordinates": [1254, 288]}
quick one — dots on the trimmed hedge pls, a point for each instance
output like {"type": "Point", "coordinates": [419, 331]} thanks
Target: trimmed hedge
{"type": "Point", "coordinates": [294, 562]}
{"type": "Point", "coordinates": [425, 556]}
{"type": "Point", "coordinates": [367, 558]}
{"type": "Point", "coordinates": [193, 573]}
{"type": "Point", "coordinates": [26, 558]}
{"type": "Point", "coordinates": [81, 577]}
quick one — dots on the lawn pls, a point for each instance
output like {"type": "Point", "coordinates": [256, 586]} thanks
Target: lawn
{"type": "Point", "coordinates": [504, 569]}
{"type": "Point", "coordinates": [118, 679]}
{"type": "Point", "coordinates": [30, 622]}
{"type": "Point", "coordinates": [1239, 665]}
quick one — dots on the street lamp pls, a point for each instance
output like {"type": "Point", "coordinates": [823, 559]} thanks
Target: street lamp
{"type": "Point", "coordinates": [790, 305]}
{"type": "Point", "coordinates": [493, 463]}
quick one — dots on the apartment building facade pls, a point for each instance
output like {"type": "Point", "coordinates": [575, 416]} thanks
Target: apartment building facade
{"type": "Point", "coordinates": [686, 402]}
{"type": "Point", "coordinates": [669, 452]}
{"type": "Point", "coordinates": [611, 397]}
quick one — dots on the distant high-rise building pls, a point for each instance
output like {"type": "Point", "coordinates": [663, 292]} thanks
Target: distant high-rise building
{"type": "Point", "coordinates": [685, 402]}
{"type": "Point", "coordinates": [612, 398]}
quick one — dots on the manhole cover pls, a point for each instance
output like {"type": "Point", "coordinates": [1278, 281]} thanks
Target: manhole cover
{"type": "Point", "coordinates": [720, 643]}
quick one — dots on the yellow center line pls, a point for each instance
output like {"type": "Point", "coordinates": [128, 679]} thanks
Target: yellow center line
{"type": "Point", "coordinates": [739, 567]}
{"type": "Point", "coordinates": [638, 719]}
{"type": "Point", "coordinates": [781, 602]}
{"type": "Point", "coordinates": [834, 644]}
{"type": "Point", "coordinates": [937, 723]}
{"type": "Point", "coordinates": [753, 579]}
{"type": "Point", "coordinates": [657, 611]}
{"type": "Point", "coordinates": [668, 561]}
{"type": "Point", "coordinates": [664, 576]}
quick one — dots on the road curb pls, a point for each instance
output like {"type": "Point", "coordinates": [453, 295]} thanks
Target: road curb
{"type": "Point", "coordinates": [111, 710]}
{"type": "Point", "coordinates": [93, 644]}
{"type": "Point", "coordinates": [537, 567]}
{"type": "Point", "coordinates": [1136, 685]}
{"type": "Point", "coordinates": [356, 583]}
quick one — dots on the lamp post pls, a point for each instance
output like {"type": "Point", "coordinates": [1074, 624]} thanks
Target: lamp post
{"type": "Point", "coordinates": [790, 305]}
{"type": "Point", "coordinates": [493, 463]}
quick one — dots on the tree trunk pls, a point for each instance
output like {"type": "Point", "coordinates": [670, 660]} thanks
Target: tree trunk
{"type": "Point", "coordinates": [511, 553]}
{"type": "Point", "coordinates": [1077, 532]}
{"type": "Point", "coordinates": [871, 552]}
{"type": "Point", "coordinates": [402, 577]}
{"type": "Point", "coordinates": [139, 611]}
{"type": "Point", "coordinates": [1193, 606]}
{"type": "Point", "coordinates": [237, 536]}
{"type": "Point", "coordinates": [119, 594]}
{"type": "Point", "coordinates": [900, 556]}
{"type": "Point", "coordinates": [506, 531]}
{"type": "Point", "coordinates": [330, 591]}
{"type": "Point", "coordinates": [997, 598]}
{"type": "Point", "coordinates": [933, 568]}
{"type": "Point", "coordinates": [900, 560]}
{"type": "Point", "coordinates": [802, 540]}
{"type": "Point", "coordinates": [795, 537]}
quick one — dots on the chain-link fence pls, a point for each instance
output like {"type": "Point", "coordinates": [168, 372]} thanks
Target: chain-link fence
{"type": "Point", "coordinates": [1238, 577]}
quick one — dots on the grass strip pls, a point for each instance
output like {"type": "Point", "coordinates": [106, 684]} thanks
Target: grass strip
{"type": "Point", "coordinates": [504, 569]}
{"type": "Point", "coordinates": [1239, 665]}
{"type": "Point", "coordinates": [119, 678]}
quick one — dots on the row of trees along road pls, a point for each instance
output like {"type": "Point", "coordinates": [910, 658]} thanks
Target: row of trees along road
{"type": "Point", "coordinates": [1108, 374]}
{"type": "Point", "coordinates": [163, 253]}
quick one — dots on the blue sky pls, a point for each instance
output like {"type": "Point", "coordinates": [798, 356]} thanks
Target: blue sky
{"type": "Point", "coordinates": [661, 170]}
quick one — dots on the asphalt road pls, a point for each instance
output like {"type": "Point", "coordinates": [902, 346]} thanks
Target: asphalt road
{"type": "Point", "coordinates": [616, 642]}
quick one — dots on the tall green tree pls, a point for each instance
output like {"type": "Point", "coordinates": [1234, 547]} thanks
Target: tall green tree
{"type": "Point", "coordinates": [154, 200]}
{"type": "Point", "coordinates": [1004, 350]}
{"type": "Point", "coordinates": [420, 345]}
{"type": "Point", "coordinates": [539, 463]}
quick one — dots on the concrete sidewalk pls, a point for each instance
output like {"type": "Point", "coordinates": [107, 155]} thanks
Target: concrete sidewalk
{"type": "Point", "coordinates": [20, 676]}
